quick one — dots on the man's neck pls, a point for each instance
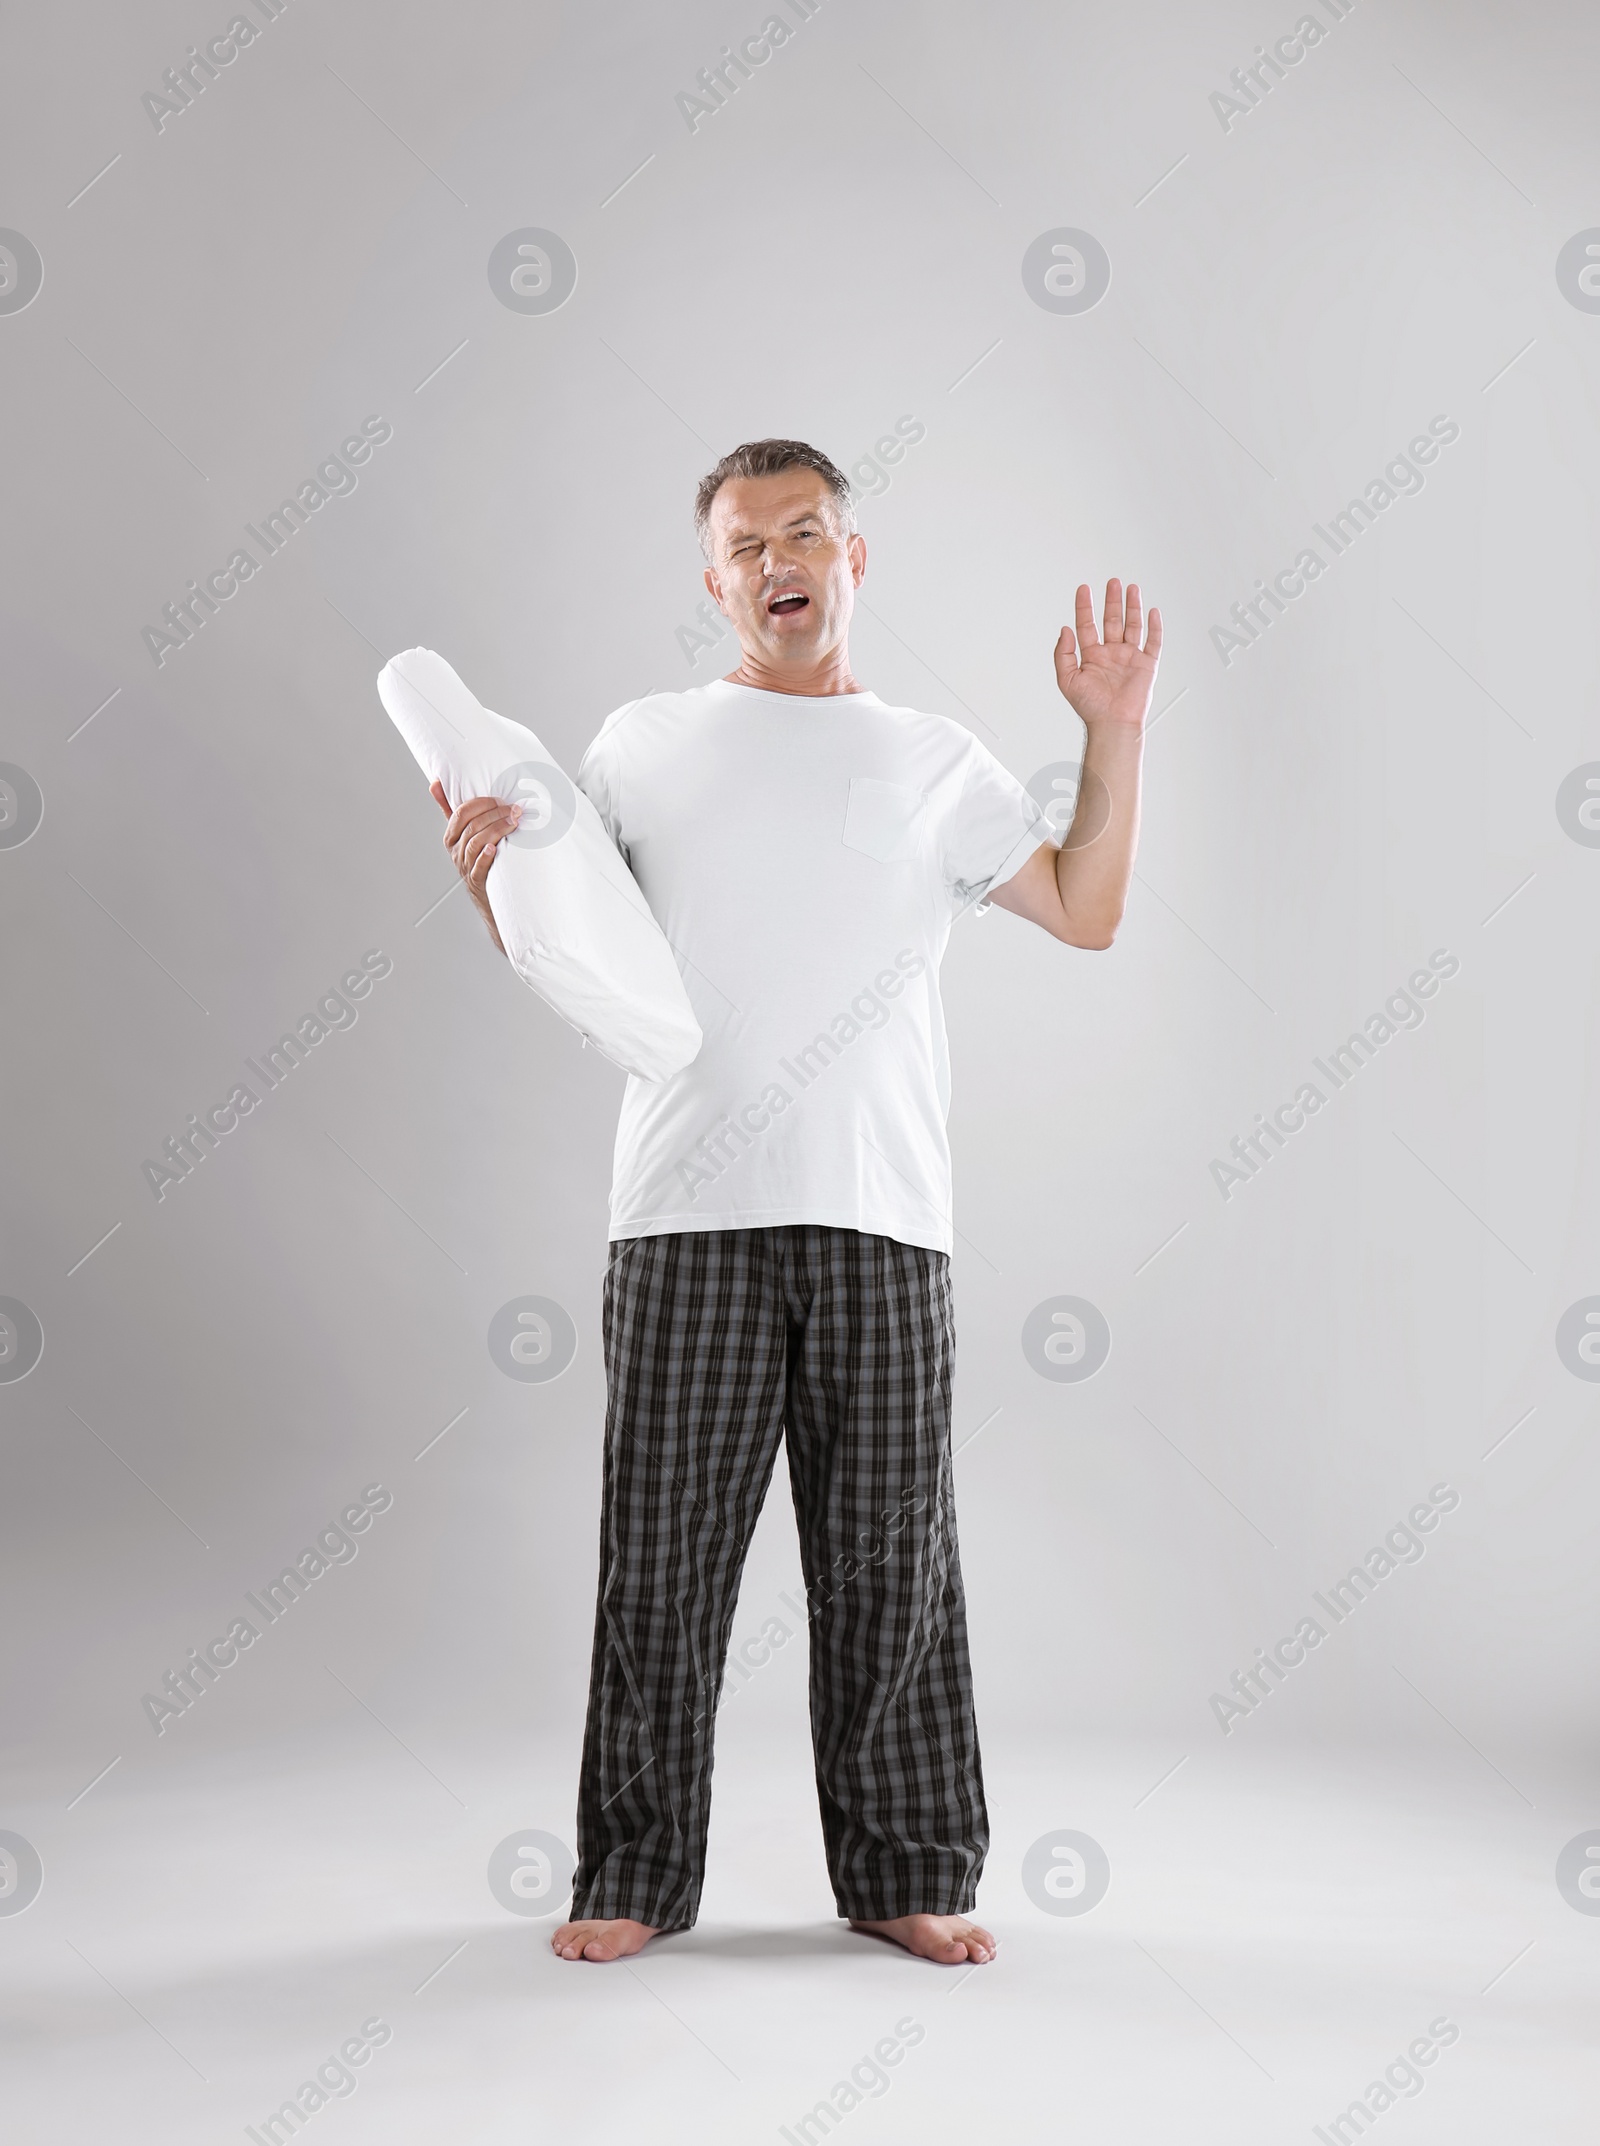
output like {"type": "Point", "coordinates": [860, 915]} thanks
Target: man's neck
{"type": "Point", "coordinates": [830, 674]}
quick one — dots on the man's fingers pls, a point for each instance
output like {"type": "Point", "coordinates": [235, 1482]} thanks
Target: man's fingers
{"type": "Point", "coordinates": [1125, 619]}
{"type": "Point", "coordinates": [474, 834]}
{"type": "Point", "coordinates": [478, 850]}
{"type": "Point", "coordinates": [459, 821]}
{"type": "Point", "coordinates": [478, 866]}
{"type": "Point", "coordinates": [477, 813]}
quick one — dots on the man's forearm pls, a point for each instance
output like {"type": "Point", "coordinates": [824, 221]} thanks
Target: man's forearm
{"type": "Point", "coordinates": [1094, 865]}
{"type": "Point", "coordinates": [479, 898]}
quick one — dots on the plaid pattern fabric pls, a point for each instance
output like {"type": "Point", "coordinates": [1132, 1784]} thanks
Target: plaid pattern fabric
{"type": "Point", "coordinates": [717, 1342]}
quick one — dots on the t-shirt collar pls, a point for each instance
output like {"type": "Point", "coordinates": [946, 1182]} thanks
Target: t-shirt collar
{"type": "Point", "coordinates": [861, 699]}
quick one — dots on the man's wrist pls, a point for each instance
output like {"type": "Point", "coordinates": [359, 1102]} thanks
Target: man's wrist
{"type": "Point", "coordinates": [1109, 727]}
{"type": "Point", "coordinates": [480, 902]}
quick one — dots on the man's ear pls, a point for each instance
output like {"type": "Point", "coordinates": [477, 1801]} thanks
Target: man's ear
{"type": "Point", "coordinates": [857, 549]}
{"type": "Point", "coordinates": [714, 587]}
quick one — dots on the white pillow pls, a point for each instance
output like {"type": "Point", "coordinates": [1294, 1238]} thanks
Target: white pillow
{"type": "Point", "coordinates": [570, 913]}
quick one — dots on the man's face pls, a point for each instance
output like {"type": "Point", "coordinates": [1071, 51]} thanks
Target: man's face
{"type": "Point", "coordinates": [783, 570]}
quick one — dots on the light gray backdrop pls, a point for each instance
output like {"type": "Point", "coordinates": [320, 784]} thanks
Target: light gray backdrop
{"type": "Point", "coordinates": [1298, 289]}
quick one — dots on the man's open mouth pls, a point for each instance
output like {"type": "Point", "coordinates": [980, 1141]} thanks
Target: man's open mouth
{"type": "Point", "coordinates": [786, 602]}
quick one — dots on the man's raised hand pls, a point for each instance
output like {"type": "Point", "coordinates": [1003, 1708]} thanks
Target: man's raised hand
{"type": "Point", "coordinates": [1109, 676]}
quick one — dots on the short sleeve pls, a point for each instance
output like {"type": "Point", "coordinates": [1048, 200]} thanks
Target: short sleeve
{"type": "Point", "coordinates": [994, 828]}
{"type": "Point", "coordinates": [600, 780]}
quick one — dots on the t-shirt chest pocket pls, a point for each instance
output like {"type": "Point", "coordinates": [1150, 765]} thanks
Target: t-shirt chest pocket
{"type": "Point", "coordinates": [884, 819]}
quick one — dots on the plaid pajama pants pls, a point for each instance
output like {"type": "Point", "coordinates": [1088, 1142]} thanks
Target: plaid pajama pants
{"type": "Point", "coordinates": [717, 1342]}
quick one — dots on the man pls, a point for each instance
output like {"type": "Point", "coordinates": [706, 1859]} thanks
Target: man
{"type": "Point", "coordinates": [780, 1209]}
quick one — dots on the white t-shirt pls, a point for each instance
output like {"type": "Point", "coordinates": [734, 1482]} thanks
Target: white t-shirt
{"type": "Point", "coordinates": [805, 857]}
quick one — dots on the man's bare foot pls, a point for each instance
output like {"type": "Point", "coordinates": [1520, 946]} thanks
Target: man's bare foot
{"type": "Point", "coordinates": [949, 1939]}
{"type": "Point", "coordinates": [601, 1940]}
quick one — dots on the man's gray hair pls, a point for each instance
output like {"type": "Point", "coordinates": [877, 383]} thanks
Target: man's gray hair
{"type": "Point", "coordinates": [765, 458]}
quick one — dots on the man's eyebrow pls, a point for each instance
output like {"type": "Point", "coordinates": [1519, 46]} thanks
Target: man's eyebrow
{"type": "Point", "coordinates": [808, 514]}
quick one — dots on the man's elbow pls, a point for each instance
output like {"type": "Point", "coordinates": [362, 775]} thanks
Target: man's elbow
{"type": "Point", "coordinates": [1092, 935]}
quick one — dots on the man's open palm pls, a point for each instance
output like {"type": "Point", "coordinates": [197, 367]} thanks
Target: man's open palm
{"type": "Point", "coordinates": [1109, 676]}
